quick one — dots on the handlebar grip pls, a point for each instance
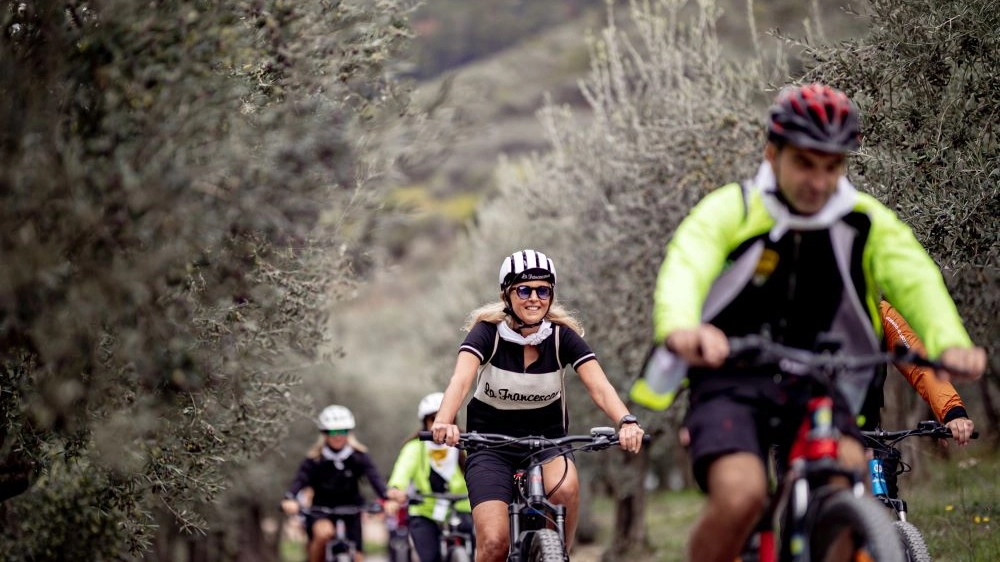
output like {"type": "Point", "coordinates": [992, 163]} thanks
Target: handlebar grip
{"type": "Point", "coordinates": [646, 438]}
{"type": "Point", "coordinates": [975, 434]}
{"type": "Point", "coordinates": [425, 435]}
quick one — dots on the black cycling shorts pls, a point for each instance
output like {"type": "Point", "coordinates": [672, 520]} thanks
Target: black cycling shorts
{"type": "Point", "coordinates": [490, 474]}
{"type": "Point", "coordinates": [750, 419]}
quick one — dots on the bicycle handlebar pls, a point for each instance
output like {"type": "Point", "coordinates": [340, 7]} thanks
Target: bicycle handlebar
{"type": "Point", "coordinates": [928, 428]}
{"type": "Point", "coordinates": [599, 438]}
{"type": "Point", "coordinates": [341, 509]}
{"type": "Point", "coordinates": [761, 351]}
{"type": "Point", "coordinates": [419, 497]}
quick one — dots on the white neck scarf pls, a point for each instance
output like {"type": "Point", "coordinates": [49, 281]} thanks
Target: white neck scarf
{"type": "Point", "coordinates": [841, 203]}
{"type": "Point", "coordinates": [544, 331]}
{"type": "Point", "coordinates": [337, 456]}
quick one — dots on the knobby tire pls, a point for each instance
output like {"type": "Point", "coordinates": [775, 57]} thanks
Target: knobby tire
{"type": "Point", "coordinates": [872, 531]}
{"type": "Point", "coordinates": [913, 542]}
{"type": "Point", "coordinates": [546, 547]}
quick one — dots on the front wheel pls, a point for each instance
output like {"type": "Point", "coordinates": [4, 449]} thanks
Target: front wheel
{"type": "Point", "coordinates": [842, 515]}
{"type": "Point", "coordinates": [546, 546]}
{"type": "Point", "coordinates": [913, 542]}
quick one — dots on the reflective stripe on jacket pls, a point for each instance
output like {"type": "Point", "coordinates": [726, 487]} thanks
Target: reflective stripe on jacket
{"type": "Point", "coordinates": [894, 262]}
{"type": "Point", "coordinates": [703, 273]}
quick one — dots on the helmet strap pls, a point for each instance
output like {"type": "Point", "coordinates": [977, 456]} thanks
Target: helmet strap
{"type": "Point", "coordinates": [519, 324]}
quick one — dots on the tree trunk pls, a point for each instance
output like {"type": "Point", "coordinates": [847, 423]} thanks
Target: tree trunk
{"type": "Point", "coordinates": [990, 407]}
{"type": "Point", "coordinates": [630, 509]}
{"type": "Point", "coordinates": [256, 545]}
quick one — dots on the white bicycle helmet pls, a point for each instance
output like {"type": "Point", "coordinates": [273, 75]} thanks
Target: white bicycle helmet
{"type": "Point", "coordinates": [335, 417]}
{"type": "Point", "coordinates": [429, 405]}
{"type": "Point", "coordinates": [526, 265]}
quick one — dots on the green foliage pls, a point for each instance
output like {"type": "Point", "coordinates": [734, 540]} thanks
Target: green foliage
{"type": "Point", "coordinates": [176, 183]}
{"type": "Point", "coordinates": [926, 78]}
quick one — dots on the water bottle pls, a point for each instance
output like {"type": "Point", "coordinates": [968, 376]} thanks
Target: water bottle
{"type": "Point", "coordinates": [663, 375]}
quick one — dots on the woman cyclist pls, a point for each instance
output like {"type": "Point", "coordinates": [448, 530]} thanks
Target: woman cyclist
{"type": "Point", "coordinates": [515, 352]}
{"type": "Point", "coordinates": [333, 468]}
{"type": "Point", "coordinates": [429, 467]}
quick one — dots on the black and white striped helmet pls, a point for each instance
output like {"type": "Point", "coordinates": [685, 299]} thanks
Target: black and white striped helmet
{"type": "Point", "coordinates": [526, 265]}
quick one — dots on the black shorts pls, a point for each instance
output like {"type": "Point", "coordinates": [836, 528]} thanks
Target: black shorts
{"type": "Point", "coordinates": [352, 527]}
{"type": "Point", "coordinates": [750, 418]}
{"type": "Point", "coordinates": [490, 474]}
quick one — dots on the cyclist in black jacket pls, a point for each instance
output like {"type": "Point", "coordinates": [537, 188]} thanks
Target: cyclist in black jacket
{"type": "Point", "coordinates": [333, 469]}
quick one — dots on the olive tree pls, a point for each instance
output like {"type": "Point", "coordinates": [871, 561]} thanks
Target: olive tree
{"type": "Point", "coordinates": [925, 77]}
{"type": "Point", "coordinates": [181, 185]}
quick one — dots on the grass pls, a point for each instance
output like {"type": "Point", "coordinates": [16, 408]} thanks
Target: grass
{"type": "Point", "coordinates": [955, 503]}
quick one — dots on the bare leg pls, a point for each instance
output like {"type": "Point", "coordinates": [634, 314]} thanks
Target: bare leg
{"type": "Point", "coordinates": [490, 519]}
{"type": "Point", "coordinates": [737, 493]}
{"type": "Point", "coordinates": [322, 532]}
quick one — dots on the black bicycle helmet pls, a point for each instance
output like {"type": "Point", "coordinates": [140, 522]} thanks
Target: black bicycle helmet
{"type": "Point", "coordinates": [814, 116]}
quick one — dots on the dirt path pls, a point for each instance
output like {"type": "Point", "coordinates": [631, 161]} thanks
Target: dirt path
{"type": "Point", "coordinates": [375, 533]}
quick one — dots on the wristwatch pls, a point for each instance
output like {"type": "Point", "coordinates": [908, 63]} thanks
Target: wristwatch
{"type": "Point", "coordinates": [627, 418]}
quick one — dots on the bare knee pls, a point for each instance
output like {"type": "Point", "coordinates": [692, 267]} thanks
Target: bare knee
{"type": "Point", "coordinates": [567, 494]}
{"type": "Point", "coordinates": [323, 531]}
{"type": "Point", "coordinates": [490, 519]}
{"type": "Point", "coordinates": [491, 546]}
{"type": "Point", "coordinates": [737, 487]}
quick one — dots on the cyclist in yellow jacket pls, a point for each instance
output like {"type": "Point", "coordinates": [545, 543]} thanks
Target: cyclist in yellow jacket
{"type": "Point", "coordinates": [797, 253]}
{"type": "Point", "coordinates": [428, 467]}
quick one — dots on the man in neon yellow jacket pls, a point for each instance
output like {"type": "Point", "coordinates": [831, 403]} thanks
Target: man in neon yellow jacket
{"type": "Point", "coordinates": [796, 253]}
{"type": "Point", "coordinates": [426, 467]}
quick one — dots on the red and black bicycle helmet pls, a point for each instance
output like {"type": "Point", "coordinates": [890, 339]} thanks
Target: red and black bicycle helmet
{"type": "Point", "coordinates": [814, 116]}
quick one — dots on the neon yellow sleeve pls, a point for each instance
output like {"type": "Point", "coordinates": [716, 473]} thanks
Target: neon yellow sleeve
{"type": "Point", "coordinates": [696, 255]}
{"type": "Point", "coordinates": [407, 465]}
{"type": "Point", "coordinates": [911, 281]}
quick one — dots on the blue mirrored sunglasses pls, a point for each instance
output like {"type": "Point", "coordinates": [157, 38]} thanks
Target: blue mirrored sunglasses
{"type": "Point", "coordinates": [523, 292]}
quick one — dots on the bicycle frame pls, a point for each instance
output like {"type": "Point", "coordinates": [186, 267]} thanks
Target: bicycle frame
{"type": "Point", "coordinates": [812, 463]}
{"type": "Point", "coordinates": [797, 502]}
{"type": "Point", "coordinates": [340, 543]}
{"type": "Point", "coordinates": [529, 513]}
{"type": "Point", "coordinates": [452, 536]}
{"type": "Point", "coordinates": [533, 510]}
{"type": "Point", "coordinates": [883, 445]}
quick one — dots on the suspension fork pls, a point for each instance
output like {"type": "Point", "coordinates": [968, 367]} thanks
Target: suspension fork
{"type": "Point", "coordinates": [535, 503]}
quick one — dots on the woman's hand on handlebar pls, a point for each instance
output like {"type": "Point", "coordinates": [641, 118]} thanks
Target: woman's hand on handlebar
{"type": "Point", "coordinates": [630, 437]}
{"type": "Point", "coordinates": [704, 346]}
{"type": "Point", "coordinates": [446, 433]}
{"type": "Point", "coordinates": [290, 506]}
